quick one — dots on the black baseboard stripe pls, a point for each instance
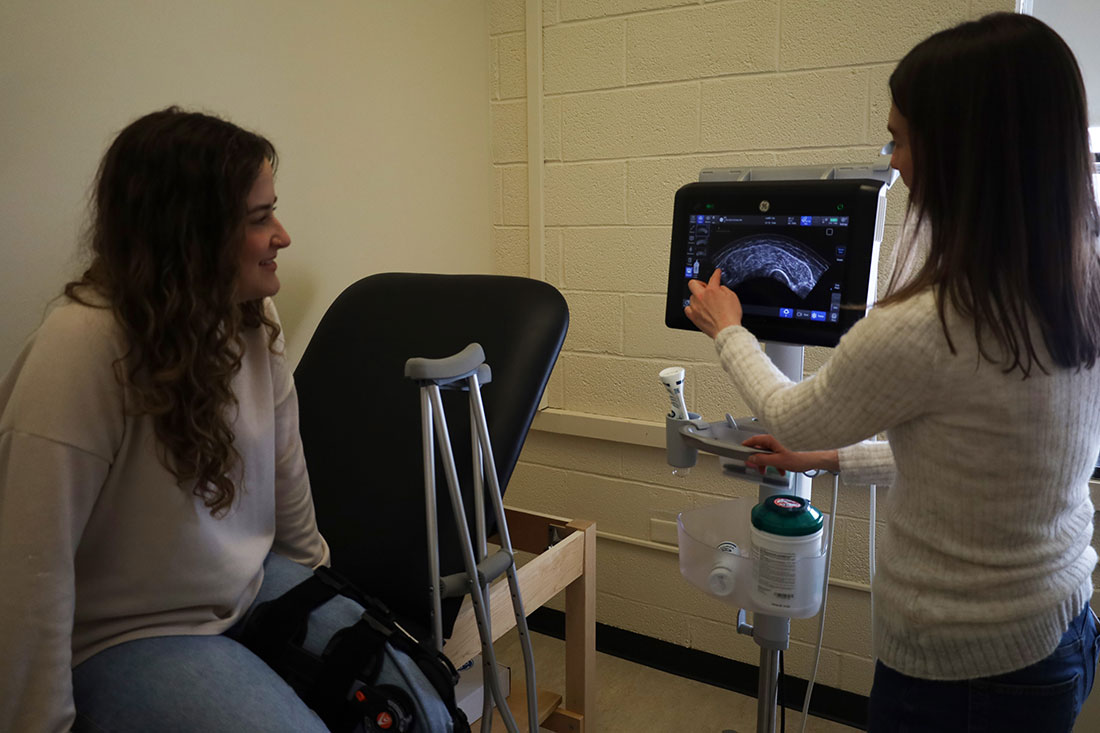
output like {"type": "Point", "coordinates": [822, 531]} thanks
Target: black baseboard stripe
{"type": "Point", "coordinates": [830, 703]}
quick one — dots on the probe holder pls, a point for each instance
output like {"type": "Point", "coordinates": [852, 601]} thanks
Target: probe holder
{"type": "Point", "coordinates": [685, 438]}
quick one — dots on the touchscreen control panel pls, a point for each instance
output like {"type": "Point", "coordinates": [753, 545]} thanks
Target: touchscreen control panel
{"type": "Point", "coordinates": [800, 255]}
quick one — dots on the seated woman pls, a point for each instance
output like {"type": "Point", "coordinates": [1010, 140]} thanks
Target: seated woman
{"type": "Point", "coordinates": [149, 453]}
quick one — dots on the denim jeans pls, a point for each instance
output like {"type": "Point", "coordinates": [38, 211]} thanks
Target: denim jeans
{"type": "Point", "coordinates": [1044, 697]}
{"type": "Point", "coordinates": [211, 684]}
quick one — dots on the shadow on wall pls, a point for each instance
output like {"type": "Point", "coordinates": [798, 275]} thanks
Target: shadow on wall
{"type": "Point", "coordinates": [299, 289]}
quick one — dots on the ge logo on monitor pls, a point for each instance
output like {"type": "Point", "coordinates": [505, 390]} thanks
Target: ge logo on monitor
{"type": "Point", "coordinates": [764, 205]}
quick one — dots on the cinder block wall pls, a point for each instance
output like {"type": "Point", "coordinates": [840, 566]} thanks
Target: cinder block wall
{"type": "Point", "coordinates": [637, 97]}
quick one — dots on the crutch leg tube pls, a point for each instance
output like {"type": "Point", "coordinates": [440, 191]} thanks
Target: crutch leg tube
{"type": "Point", "coordinates": [467, 371]}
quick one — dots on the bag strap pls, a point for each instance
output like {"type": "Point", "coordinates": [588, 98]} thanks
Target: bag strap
{"type": "Point", "coordinates": [281, 622]}
{"type": "Point", "coordinates": [276, 629]}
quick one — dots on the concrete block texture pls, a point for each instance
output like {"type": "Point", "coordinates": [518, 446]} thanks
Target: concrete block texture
{"type": "Point", "coordinates": [858, 155]}
{"type": "Point", "coordinates": [510, 251]}
{"type": "Point", "coordinates": [550, 12]}
{"type": "Point", "coordinates": [498, 195]}
{"type": "Point", "coordinates": [880, 101]}
{"type": "Point", "coordinates": [719, 636]}
{"type": "Point", "coordinates": [494, 70]}
{"type": "Point", "coordinates": [798, 661]}
{"type": "Point", "coordinates": [551, 128]}
{"type": "Point", "coordinates": [616, 259]}
{"type": "Point", "coordinates": [555, 389]}
{"type": "Point", "coordinates": [652, 577]}
{"type": "Point", "coordinates": [714, 394]}
{"type": "Point", "coordinates": [582, 9]}
{"type": "Point", "coordinates": [506, 16]}
{"type": "Point", "coordinates": [511, 77]}
{"type": "Point", "coordinates": [857, 673]}
{"type": "Point", "coordinates": [629, 123]}
{"type": "Point", "coordinates": [817, 34]}
{"type": "Point", "coordinates": [646, 335]}
{"type": "Point", "coordinates": [583, 56]}
{"type": "Point", "coordinates": [978, 8]}
{"type": "Point", "coordinates": [613, 386]}
{"type": "Point", "coordinates": [595, 322]}
{"type": "Point", "coordinates": [513, 185]}
{"type": "Point", "coordinates": [701, 42]}
{"type": "Point", "coordinates": [848, 621]}
{"type": "Point", "coordinates": [580, 454]}
{"type": "Point", "coordinates": [808, 109]}
{"type": "Point", "coordinates": [652, 621]}
{"type": "Point", "coordinates": [552, 258]}
{"type": "Point", "coordinates": [617, 506]}
{"type": "Point", "coordinates": [579, 194]}
{"type": "Point", "coordinates": [851, 555]}
{"type": "Point", "coordinates": [509, 131]}
{"type": "Point", "coordinates": [651, 183]}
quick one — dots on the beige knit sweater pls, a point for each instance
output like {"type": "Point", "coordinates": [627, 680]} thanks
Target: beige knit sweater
{"type": "Point", "coordinates": [986, 554]}
{"type": "Point", "coordinates": [98, 545]}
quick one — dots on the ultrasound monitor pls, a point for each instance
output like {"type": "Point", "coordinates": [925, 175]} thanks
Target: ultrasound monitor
{"type": "Point", "coordinates": [800, 254]}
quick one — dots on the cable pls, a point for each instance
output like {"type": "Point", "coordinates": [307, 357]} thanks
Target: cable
{"type": "Point", "coordinates": [824, 598]}
{"type": "Point", "coordinates": [871, 549]}
{"type": "Point", "coordinates": [779, 697]}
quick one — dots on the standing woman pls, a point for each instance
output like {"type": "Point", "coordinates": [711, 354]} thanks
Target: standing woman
{"type": "Point", "coordinates": [981, 369]}
{"type": "Point", "coordinates": [149, 453]}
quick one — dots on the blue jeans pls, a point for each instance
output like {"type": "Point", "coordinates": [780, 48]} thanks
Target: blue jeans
{"type": "Point", "coordinates": [211, 684]}
{"type": "Point", "coordinates": [1044, 697]}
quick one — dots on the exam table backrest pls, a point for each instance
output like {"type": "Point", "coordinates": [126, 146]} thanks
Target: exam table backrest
{"type": "Point", "coordinates": [361, 419]}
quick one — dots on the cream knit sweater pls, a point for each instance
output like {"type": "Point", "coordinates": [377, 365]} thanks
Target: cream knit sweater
{"type": "Point", "coordinates": [986, 554]}
{"type": "Point", "coordinates": [98, 545]}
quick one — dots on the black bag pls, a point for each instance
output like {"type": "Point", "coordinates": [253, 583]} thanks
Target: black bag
{"type": "Point", "coordinates": [370, 676]}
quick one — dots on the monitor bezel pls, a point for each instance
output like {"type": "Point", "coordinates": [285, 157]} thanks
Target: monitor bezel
{"type": "Point", "coordinates": [860, 201]}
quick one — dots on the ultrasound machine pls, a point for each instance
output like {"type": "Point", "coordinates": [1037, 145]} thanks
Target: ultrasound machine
{"type": "Point", "coordinates": [800, 247]}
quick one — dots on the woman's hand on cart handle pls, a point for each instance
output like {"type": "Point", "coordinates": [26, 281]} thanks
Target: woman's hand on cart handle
{"type": "Point", "coordinates": [787, 460]}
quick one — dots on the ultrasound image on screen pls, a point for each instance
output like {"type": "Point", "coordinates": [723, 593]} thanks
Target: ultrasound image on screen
{"type": "Point", "coordinates": [775, 256]}
{"type": "Point", "coordinates": [781, 266]}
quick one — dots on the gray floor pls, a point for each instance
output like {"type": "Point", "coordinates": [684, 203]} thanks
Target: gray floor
{"type": "Point", "coordinates": [631, 698]}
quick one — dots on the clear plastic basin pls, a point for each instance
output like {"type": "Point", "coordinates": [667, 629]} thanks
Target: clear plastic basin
{"type": "Point", "coordinates": [728, 576]}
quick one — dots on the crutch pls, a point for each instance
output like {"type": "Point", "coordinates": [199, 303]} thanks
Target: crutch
{"type": "Point", "coordinates": [466, 371]}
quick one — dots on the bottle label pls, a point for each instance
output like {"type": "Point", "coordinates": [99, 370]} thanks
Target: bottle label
{"type": "Point", "coordinates": [774, 575]}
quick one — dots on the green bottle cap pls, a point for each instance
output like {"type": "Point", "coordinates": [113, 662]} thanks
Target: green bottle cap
{"type": "Point", "coordinates": [789, 516]}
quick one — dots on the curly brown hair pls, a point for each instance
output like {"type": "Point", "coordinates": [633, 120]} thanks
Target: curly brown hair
{"type": "Point", "coordinates": [168, 217]}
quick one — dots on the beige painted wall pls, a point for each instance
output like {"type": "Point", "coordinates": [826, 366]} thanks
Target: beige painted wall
{"type": "Point", "coordinates": [377, 109]}
{"type": "Point", "coordinates": [638, 96]}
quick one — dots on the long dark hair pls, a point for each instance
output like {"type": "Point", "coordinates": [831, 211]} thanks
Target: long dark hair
{"type": "Point", "coordinates": [168, 217]}
{"type": "Point", "coordinates": [1002, 174]}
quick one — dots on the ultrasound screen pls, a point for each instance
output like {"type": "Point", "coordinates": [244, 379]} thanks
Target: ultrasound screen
{"type": "Point", "coordinates": [784, 266]}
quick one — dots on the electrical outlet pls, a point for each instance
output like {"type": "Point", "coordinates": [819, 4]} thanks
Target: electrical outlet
{"type": "Point", "coordinates": [663, 531]}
